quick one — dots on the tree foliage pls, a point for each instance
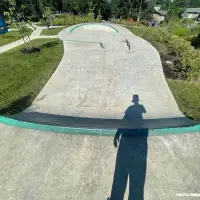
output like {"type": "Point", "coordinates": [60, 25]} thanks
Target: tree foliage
{"type": "Point", "coordinates": [106, 8]}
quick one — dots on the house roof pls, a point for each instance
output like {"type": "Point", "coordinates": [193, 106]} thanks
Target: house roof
{"type": "Point", "coordinates": [192, 10]}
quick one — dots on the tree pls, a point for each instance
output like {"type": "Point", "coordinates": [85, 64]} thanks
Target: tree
{"type": "Point", "coordinates": [129, 8]}
{"type": "Point", "coordinates": [18, 22]}
{"type": "Point", "coordinates": [48, 16]}
{"type": "Point", "coordinates": [4, 6]}
{"type": "Point", "coordinates": [96, 6]}
{"type": "Point", "coordinates": [194, 4]}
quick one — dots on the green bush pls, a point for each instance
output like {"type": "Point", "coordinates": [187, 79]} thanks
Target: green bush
{"type": "Point", "coordinates": [99, 17]}
{"type": "Point", "coordinates": [119, 21]}
{"type": "Point", "coordinates": [58, 21]}
{"type": "Point", "coordinates": [157, 35]}
{"type": "Point", "coordinates": [195, 41]}
{"type": "Point", "coordinates": [195, 31]}
{"type": "Point", "coordinates": [180, 31]}
{"type": "Point", "coordinates": [187, 21]}
{"type": "Point", "coordinates": [186, 58]}
{"type": "Point", "coordinates": [73, 19]}
{"type": "Point", "coordinates": [60, 16]}
{"type": "Point", "coordinates": [177, 46]}
{"type": "Point", "coordinates": [126, 22]}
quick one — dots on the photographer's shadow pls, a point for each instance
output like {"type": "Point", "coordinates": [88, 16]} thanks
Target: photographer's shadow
{"type": "Point", "coordinates": [131, 156]}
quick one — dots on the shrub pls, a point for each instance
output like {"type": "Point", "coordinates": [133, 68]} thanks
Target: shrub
{"type": "Point", "coordinates": [177, 46]}
{"type": "Point", "coordinates": [157, 35]}
{"type": "Point", "coordinates": [90, 17]}
{"type": "Point", "coordinates": [73, 19]}
{"type": "Point", "coordinates": [195, 41]}
{"type": "Point", "coordinates": [42, 22]}
{"type": "Point", "coordinates": [195, 31]}
{"type": "Point", "coordinates": [58, 21]}
{"type": "Point", "coordinates": [185, 54]}
{"type": "Point", "coordinates": [99, 17]}
{"type": "Point", "coordinates": [186, 58]}
{"type": "Point", "coordinates": [180, 31]}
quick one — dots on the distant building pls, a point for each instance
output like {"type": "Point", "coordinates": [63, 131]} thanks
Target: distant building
{"type": "Point", "coordinates": [191, 13]}
{"type": "Point", "coordinates": [159, 15]}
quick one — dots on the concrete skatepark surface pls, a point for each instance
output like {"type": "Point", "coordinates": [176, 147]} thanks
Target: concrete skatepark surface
{"type": "Point", "coordinates": [43, 165]}
{"type": "Point", "coordinates": [47, 165]}
{"type": "Point", "coordinates": [97, 78]}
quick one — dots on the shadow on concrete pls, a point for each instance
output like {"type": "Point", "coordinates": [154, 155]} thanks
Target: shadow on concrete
{"type": "Point", "coordinates": [131, 156]}
{"type": "Point", "coordinates": [94, 123]}
{"type": "Point", "coordinates": [17, 106]}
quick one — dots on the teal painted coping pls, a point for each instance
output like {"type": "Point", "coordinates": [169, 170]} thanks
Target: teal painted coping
{"type": "Point", "coordinates": [86, 131]}
{"type": "Point", "coordinates": [91, 24]}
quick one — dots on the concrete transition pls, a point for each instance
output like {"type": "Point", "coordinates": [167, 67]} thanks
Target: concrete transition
{"type": "Point", "coordinates": [98, 76]}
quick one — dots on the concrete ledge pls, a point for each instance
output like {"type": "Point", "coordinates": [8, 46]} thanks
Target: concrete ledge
{"type": "Point", "coordinates": [192, 127]}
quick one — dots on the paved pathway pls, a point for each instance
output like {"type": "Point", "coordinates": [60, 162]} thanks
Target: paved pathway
{"type": "Point", "coordinates": [98, 78]}
{"type": "Point", "coordinates": [35, 34]}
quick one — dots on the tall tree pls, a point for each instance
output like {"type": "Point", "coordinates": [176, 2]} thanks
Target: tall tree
{"type": "Point", "coordinates": [194, 4]}
{"type": "Point", "coordinates": [3, 6]}
{"type": "Point", "coordinates": [128, 8]}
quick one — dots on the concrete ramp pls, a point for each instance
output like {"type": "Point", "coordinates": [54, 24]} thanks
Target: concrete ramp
{"type": "Point", "coordinates": [92, 81]}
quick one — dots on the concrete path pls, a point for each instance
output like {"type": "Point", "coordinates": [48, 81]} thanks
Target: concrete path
{"type": "Point", "coordinates": [40, 165]}
{"type": "Point", "coordinates": [35, 34]}
{"type": "Point", "coordinates": [99, 75]}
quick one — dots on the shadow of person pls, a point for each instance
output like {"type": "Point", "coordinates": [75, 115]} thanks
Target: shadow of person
{"type": "Point", "coordinates": [131, 156]}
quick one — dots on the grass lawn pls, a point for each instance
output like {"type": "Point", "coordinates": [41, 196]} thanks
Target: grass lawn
{"type": "Point", "coordinates": [187, 95]}
{"type": "Point", "coordinates": [9, 37]}
{"type": "Point", "coordinates": [22, 76]}
{"type": "Point", "coordinates": [53, 31]}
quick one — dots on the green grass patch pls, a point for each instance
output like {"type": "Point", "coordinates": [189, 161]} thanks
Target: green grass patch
{"type": "Point", "coordinates": [141, 31]}
{"type": "Point", "coordinates": [9, 37]}
{"type": "Point", "coordinates": [187, 95]}
{"type": "Point", "coordinates": [22, 76]}
{"type": "Point", "coordinates": [71, 19]}
{"type": "Point", "coordinates": [52, 31]}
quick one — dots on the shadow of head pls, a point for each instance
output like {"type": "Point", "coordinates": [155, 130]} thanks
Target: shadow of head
{"type": "Point", "coordinates": [135, 99]}
{"type": "Point", "coordinates": [135, 112]}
